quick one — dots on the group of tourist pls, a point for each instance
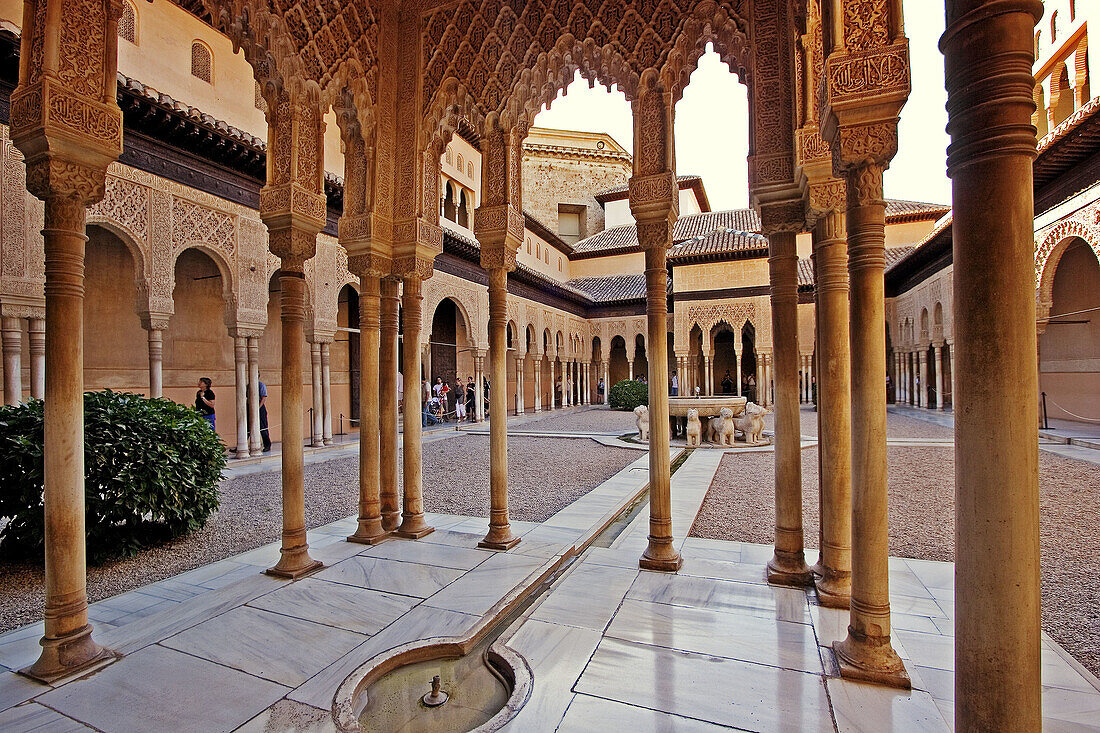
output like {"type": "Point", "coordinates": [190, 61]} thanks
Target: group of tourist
{"type": "Point", "coordinates": [439, 398]}
{"type": "Point", "coordinates": [204, 404]}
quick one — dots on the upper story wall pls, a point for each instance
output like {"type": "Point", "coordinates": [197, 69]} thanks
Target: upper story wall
{"type": "Point", "coordinates": [617, 212]}
{"type": "Point", "coordinates": [542, 256]}
{"type": "Point", "coordinates": [160, 57]}
{"type": "Point", "coordinates": [1064, 69]}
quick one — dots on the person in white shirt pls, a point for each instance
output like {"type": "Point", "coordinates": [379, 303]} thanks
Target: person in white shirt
{"type": "Point", "coordinates": [675, 384]}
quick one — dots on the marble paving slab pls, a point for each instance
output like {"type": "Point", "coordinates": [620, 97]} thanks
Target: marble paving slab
{"type": "Point", "coordinates": [392, 576]}
{"type": "Point", "coordinates": [781, 604]}
{"type": "Point", "coordinates": [480, 589]}
{"type": "Point", "coordinates": [446, 556]}
{"type": "Point", "coordinates": [360, 610]}
{"type": "Point", "coordinates": [723, 691]}
{"type": "Point", "coordinates": [269, 645]}
{"type": "Point", "coordinates": [743, 636]}
{"type": "Point", "coordinates": [159, 689]}
{"type": "Point", "coordinates": [557, 655]}
{"type": "Point", "coordinates": [35, 718]}
{"type": "Point", "coordinates": [587, 714]}
{"type": "Point", "coordinates": [587, 597]}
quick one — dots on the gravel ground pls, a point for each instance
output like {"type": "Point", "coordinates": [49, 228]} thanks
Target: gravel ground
{"type": "Point", "coordinates": [741, 506]}
{"type": "Point", "coordinates": [897, 426]}
{"type": "Point", "coordinates": [597, 420]}
{"type": "Point", "coordinates": [540, 484]}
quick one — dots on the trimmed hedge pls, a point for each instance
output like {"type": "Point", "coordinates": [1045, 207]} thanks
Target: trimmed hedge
{"type": "Point", "coordinates": [151, 472]}
{"type": "Point", "coordinates": [628, 394]}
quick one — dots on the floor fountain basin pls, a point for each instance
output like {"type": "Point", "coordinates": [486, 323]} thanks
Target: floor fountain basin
{"type": "Point", "coordinates": [434, 687]}
{"type": "Point", "coordinates": [707, 406]}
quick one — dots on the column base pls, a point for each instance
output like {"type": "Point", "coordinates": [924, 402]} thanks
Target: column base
{"type": "Point", "coordinates": [295, 563]}
{"type": "Point", "coordinates": [327, 441]}
{"type": "Point", "coordinates": [390, 522]}
{"type": "Point", "coordinates": [871, 662]}
{"type": "Point", "coordinates": [369, 532]}
{"type": "Point", "coordinates": [317, 443]}
{"type": "Point", "coordinates": [500, 539]}
{"type": "Point", "coordinates": [68, 655]}
{"type": "Point", "coordinates": [789, 569]}
{"type": "Point", "coordinates": [834, 588]}
{"type": "Point", "coordinates": [660, 556]}
{"type": "Point", "coordinates": [413, 528]}
{"type": "Point", "coordinates": [239, 454]}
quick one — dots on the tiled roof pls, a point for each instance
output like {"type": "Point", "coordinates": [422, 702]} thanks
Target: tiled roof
{"type": "Point", "coordinates": [894, 255]}
{"type": "Point", "coordinates": [609, 240]}
{"type": "Point", "coordinates": [739, 220]}
{"type": "Point", "coordinates": [899, 210]}
{"type": "Point", "coordinates": [615, 191]}
{"type": "Point", "coordinates": [720, 241]}
{"type": "Point", "coordinates": [612, 288]}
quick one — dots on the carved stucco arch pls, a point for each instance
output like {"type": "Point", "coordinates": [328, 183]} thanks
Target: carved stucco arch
{"type": "Point", "coordinates": [138, 249]}
{"type": "Point", "coordinates": [714, 24]}
{"type": "Point", "coordinates": [225, 267]}
{"type": "Point", "coordinates": [1050, 252]}
{"type": "Point", "coordinates": [466, 305]}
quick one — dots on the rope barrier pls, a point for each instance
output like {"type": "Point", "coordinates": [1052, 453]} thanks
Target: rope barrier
{"type": "Point", "coordinates": [1079, 417]}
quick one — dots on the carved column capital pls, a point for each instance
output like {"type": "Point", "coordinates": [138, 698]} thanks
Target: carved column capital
{"type": "Point", "coordinates": [782, 216]}
{"type": "Point", "coordinates": [370, 265]}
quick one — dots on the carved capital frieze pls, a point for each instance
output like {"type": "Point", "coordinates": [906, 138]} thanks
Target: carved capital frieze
{"type": "Point", "coordinates": [824, 196]}
{"type": "Point", "coordinates": [782, 216]}
{"type": "Point", "coordinates": [860, 80]}
{"type": "Point", "coordinates": [291, 203]}
{"type": "Point", "coordinates": [53, 176]}
{"type": "Point", "coordinates": [413, 266]}
{"type": "Point", "coordinates": [292, 245]}
{"type": "Point", "coordinates": [865, 185]}
{"type": "Point", "coordinates": [498, 257]}
{"type": "Point", "coordinates": [502, 224]}
{"type": "Point", "coordinates": [370, 265]}
{"type": "Point", "coordinates": [774, 169]}
{"type": "Point", "coordinates": [655, 196]}
{"type": "Point", "coordinates": [875, 143]}
{"type": "Point", "coordinates": [354, 229]}
{"type": "Point", "coordinates": [655, 234]}
{"type": "Point", "coordinates": [810, 146]}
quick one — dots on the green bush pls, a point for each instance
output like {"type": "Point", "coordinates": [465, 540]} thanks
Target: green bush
{"type": "Point", "coordinates": [628, 394]}
{"type": "Point", "coordinates": [151, 472]}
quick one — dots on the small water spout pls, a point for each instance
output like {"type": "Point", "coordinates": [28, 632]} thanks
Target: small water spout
{"type": "Point", "coordinates": [436, 697]}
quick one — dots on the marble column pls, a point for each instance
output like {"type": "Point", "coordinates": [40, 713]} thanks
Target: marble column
{"type": "Point", "coordinates": [326, 393]}
{"type": "Point", "coordinates": [295, 560]}
{"type": "Point", "coordinates": [479, 380]}
{"type": "Point", "coordinates": [156, 361]}
{"type": "Point", "coordinates": [520, 369]}
{"type": "Point", "coordinates": [67, 641]}
{"type": "Point", "coordinates": [318, 420]}
{"type": "Point", "coordinates": [500, 535]}
{"type": "Point", "coordinates": [413, 525]}
{"type": "Point", "coordinates": [552, 357]}
{"type": "Point", "coordinates": [834, 401]}
{"type": "Point", "coordinates": [630, 363]}
{"type": "Point", "coordinates": [11, 329]}
{"type": "Point", "coordinates": [240, 360]}
{"type": "Point", "coordinates": [255, 441]}
{"type": "Point", "coordinates": [788, 564]}
{"type": "Point", "coordinates": [538, 382]}
{"type": "Point", "coordinates": [866, 653]}
{"type": "Point", "coordinates": [370, 529]}
{"type": "Point", "coordinates": [923, 356]}
{"type": "Point", "coordinates": [737, 364]}
{"type": "Point", "coordinates": [387, 402]}
{"type": "Point", "coordinates": [37, 338]}
{"type": "Point", "coordinates": [989, 54]}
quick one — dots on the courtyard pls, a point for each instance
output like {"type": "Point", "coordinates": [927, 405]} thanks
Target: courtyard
{"type": "Point", "coordinates": [711, 647]}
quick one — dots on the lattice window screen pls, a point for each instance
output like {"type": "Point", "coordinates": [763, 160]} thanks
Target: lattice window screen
{"type": "Point", "coordinates": [202, 64]}
{"type": "Point", "coordinates": [127, 24]}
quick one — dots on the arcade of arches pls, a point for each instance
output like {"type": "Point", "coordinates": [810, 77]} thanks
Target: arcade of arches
{"type": "Point", "coordinates": [233, 290]}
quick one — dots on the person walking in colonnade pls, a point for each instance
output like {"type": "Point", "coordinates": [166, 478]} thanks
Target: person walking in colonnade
{"type": "Point", "coordinates": [204, 401]}
{"type": "Point", "coordinates": [265, 434]}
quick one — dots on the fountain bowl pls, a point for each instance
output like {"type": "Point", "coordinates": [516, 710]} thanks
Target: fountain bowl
{"type": "Point", "coordinates": [708, 406]}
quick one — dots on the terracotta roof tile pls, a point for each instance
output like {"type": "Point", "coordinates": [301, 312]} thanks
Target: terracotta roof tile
{"type": "Point", "coordinates": [720, 241]}
{"type": "Point", "coordinates": [612, 288]}
{"type": "Point", "coordinates": [622, 188]}
{"type": "Point", "coordinates": [805, 273]}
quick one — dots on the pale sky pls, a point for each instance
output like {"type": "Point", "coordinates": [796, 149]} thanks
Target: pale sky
{"type": "Point", "coordinates": [712, 121]}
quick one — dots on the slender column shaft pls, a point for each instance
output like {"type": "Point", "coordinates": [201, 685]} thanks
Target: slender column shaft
{"type": "Point", "coordinates": [37, 337]}
{"type": "Point", "coordinates": [538, 383]}
{"type": "Point", "coordinates": [479, 381]}
{"type": "Point", "coordinates": [326, 393]}
{"type": "Point", "coordinates": [295, 559]}
{"type": "Point", "coordinates": [867, 650]}
{"type": "Point", "coordinates": [11, 334]}
{"type": "Point", "coordinates": [519, 385]}
{"type": "Point", "coordinates": [937, 360]}
{"type": "Point", "coordinates": [923, 356]}
{"type": "Point", "coordinates": [387, 402]}
{"type": "Point", "coordinates": [318, 397]}
{"type": "Point", "coordinates": [413, 525]}
{"type": "Point", "coordinates": [156, 362]}
{"type": "Point", "coordinates": [788, 565]}
{"type": "Point", "coordinates": [255, 443]}
{"type": "Point", "coordinates": [834, 400]}
{"type": "Point", "coordinates": [240, 360]}
{"type": "Point", "coordinates": [989, 53]}
{"type": "Point", "coordinates": [500, 532]}
{"type": "Point", "coordinates": [67, 641]}
{"type": "Point", "coordinates": [660, 554]}
{"type": "Point", "coordinates": [370, 529]}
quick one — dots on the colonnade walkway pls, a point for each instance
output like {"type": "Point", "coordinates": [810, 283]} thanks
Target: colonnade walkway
{"type": "Point", "coordinates": [611, 647]}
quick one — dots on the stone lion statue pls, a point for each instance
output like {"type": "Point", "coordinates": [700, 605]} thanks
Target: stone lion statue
{"type": "Point", "coordinates": [751, 422]}
{"type": "Point", "coordinates": [641, 412]}
{"type": "Point", "coordinates": [721, 428]}
{"type": "Point", "coordinates": [694, 431]}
